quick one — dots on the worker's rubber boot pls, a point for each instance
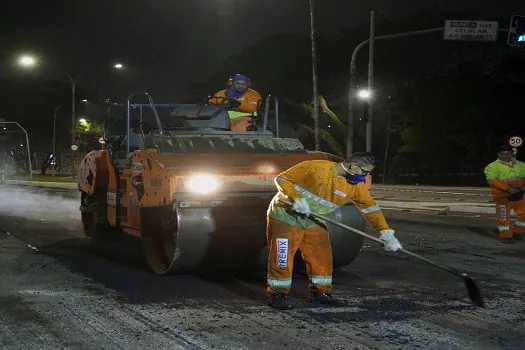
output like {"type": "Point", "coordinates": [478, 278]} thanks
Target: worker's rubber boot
{"type": "Point", "coordinates": [279, 301]}
{"type": "Point", "coordinates": [508, 240]}
{"type": "Point", "coordinates": [325, 299]}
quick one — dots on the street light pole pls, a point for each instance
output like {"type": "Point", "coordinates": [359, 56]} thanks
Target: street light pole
{"type": "Point", "coordinates": [314, 78]}
{"type": "Point", "coordinates": [54, 135]}
{"type": "Point", "coordinates": [353, 78]}
{"type": "Point", "coordinates": [28, 148]}
{"type": "Point", "coordinates": [73, 98]}
{"type": "Point", "coordinates": [73, 118]}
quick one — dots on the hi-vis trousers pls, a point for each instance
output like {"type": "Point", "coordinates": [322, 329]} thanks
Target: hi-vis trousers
{"type": "Point", "coordinates": [503, 209]}
{"type": "Point", "coordinates": [283, 242]}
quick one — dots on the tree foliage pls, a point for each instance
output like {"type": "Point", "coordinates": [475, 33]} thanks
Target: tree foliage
{"type": "Point", "coordinates": [451, 103]}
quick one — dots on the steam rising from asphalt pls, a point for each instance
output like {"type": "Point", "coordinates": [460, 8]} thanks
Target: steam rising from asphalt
{"type": "Point", "coordinates": [36, 204]}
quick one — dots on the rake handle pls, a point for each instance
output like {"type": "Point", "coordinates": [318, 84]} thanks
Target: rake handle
{"type": "Point", "coordinates": [366, 235]}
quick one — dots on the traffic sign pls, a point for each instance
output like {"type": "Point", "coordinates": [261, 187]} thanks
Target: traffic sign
{"type": "Point", "coordinates": [516, 31]}
{"type": "Point", "coordinates": [515, 141]}
{"type": "Point", "coordinates": [485, 31]}
{"type": "Point", "coordinates": [74, 147]}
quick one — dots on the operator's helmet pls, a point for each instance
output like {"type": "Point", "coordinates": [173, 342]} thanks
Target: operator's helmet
{"type": "Point", "coordinates": [243, 82]}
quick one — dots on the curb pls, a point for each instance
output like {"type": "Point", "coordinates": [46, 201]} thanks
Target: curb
{"type": "Point", "coordinates": [63, 185]}
{"type": "Point", "coordinates": [437, 207]}
{"type": "Point", "coordinates": [441, 208]}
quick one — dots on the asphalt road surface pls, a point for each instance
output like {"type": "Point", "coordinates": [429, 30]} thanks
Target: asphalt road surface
{"type": "Point", "coordinates": [58, 291]}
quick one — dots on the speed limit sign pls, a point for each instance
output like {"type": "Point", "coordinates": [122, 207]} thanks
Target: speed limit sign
{"type": "Point", "coordinates": [515, 141]}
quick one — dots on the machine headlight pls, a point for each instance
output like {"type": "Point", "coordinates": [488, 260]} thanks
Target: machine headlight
{"type": "Point", "coordinates": [203, 184]}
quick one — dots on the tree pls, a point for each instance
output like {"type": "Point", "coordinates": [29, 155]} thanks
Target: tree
{"type": "Point", "coordinates": [451, 103]}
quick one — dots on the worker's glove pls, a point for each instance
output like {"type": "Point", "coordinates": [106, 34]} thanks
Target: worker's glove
{"type": "Point", "coordinates": [516, 194]}
{"type": "Point", "coordinates": [391, 244]}
{"type": "Point", "coordinates": [301, 206]}
{"type": "Point", "coordinates": [231, 103]}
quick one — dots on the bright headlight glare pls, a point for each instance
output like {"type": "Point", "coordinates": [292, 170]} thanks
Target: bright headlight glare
{"type": "Point", "coordinates": [203, 184]}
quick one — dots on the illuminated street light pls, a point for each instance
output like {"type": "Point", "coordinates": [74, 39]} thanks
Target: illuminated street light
{"type": "Point", "coordinates": [82, 121]}
{"type": "Point", "coordinates": [84, 100]}
{"type": "Point", "coordinates": [118, 66]}
{"type": "Point", "coordinates": [364, 94]}
{"type": "Point", "coordinates": [27, 61]}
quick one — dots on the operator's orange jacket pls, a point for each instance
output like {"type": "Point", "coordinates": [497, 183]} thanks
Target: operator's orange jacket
{"type": "Point", "coordinates": [325, 191]}
{"type": "Point", "coordinates": [248, 101]}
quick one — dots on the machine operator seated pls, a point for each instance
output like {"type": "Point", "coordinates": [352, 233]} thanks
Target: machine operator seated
{"type": "Point", "coordinates": [241, 101]}
{"type": "Point", "coordinates": [135, 136]}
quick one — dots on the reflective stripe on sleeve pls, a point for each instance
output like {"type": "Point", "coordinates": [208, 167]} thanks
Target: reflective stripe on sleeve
{"type": "Point", "coordinates": [370, 210]}
{"type": "Point", "coordinates": [315, 197]}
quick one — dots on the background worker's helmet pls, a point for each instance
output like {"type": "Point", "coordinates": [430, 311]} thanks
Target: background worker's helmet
{"type": "Point", "coordinates": [505, 153]}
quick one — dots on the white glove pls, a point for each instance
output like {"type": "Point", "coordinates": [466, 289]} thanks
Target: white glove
{"type": "Point", "coordinates": [390, 241]}
{"type": "Point", "coordinates": [301, 206]}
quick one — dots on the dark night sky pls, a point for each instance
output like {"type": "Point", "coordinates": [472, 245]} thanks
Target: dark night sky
{"type": "Point", "coordinates": [166, 43]}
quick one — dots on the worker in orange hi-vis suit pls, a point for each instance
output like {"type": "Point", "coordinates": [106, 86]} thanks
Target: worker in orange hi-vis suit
{"type": "Point", "coordinates": [506, 177]}
{"type": "Point", "coordinates": [321, 187]}
{"type": "Point", "coordinates": [242, 100]}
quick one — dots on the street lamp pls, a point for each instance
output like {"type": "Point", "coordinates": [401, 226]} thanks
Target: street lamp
{"type": "Point", "coordinates": [27, 61]}
{"type": "Point", "coordinates": [118, 66]}
{"type": "Point", "coordinates": [364, 94]}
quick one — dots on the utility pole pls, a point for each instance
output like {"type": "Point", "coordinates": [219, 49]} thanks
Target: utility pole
{"type": "Point", "coordinates": [54, 136]}
{"type": "Point", "coordinates": [314, 79]}
{"type": "Point", "coordinates": [387, 146]}
{"type": "Point", "coordinates": [73, 119]}
{"type": "Point", "coordinates": [370, 83]}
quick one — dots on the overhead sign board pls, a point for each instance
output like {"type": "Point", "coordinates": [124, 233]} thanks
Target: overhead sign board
{"type": "Point", "coordinates": [485, 31]}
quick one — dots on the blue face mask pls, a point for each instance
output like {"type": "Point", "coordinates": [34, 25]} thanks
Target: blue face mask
{"type": "Point", "coordinates": [354, 179]}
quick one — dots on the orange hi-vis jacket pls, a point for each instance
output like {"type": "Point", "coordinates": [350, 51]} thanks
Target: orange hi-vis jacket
{"type": "Point", "coordinates": [325, 191]}
{"type": "Point", "coordinates": [248, 101]}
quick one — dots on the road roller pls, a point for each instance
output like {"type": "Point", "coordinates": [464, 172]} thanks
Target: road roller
{"type": "Point", "coordinates": [194, 192]}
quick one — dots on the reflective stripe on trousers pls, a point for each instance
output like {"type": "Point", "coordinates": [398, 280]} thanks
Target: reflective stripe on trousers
{"type": "Point", "coordinates": [286, 283]}
{"type": "Point", "coordinates": [503, 210]}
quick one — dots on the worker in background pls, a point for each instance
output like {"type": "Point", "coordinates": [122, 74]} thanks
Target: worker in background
{"type": "Point", "coordinates": [321, 187]}
{"type": "Point", "coordinates": [241, 113]}
{"type": "Point", "coordinates": [506, 178]}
